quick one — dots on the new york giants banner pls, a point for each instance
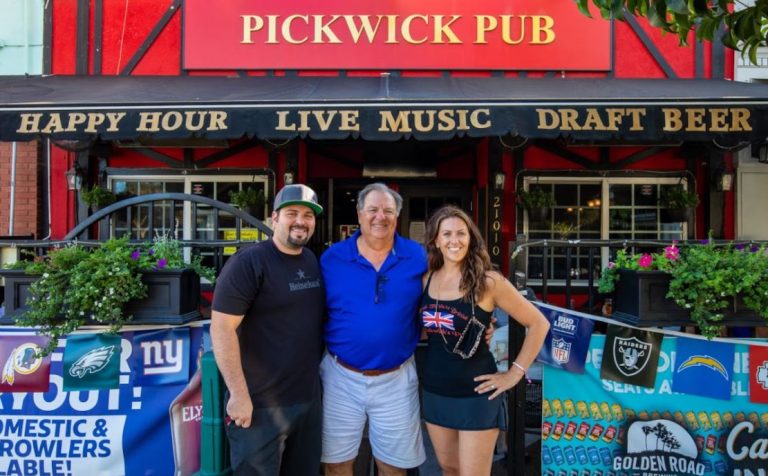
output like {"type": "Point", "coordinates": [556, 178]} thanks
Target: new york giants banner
{"type": "Point", "coordinates": [607, 428]}
{"type": "Point", "coordinates": [127, 430]}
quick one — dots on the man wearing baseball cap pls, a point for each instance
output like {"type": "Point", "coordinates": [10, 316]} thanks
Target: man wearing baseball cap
{"type": "Point", "coordinates": [270, 298]}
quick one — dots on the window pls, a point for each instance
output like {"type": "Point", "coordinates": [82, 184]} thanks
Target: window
{"type": "Point", "coordinates": [181, 221]}
{"type": "Point", "coordinates": [597, 208]}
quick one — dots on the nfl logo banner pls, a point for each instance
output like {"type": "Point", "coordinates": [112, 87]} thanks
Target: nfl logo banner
{"type": "Point", "coordinates": [567, 341]}
{"type": "Point", "coordinates": [631, 356]}
{"type": "Point", "coordinates": [758, 374]}
{"type": "Point", "coordinates": [160, 357]}
{"type": "Point", "coordinates": [699, 362]}
{"type": "Point", "coordinates": [92, 361]}
{"type": "Point", "coordinates": [23, 370]}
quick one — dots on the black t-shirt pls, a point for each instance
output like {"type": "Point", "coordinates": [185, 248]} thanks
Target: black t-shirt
{"type": "Point", "coordinates": [446, 373]}
{"type": "Point", "coordinates": [281, 342]}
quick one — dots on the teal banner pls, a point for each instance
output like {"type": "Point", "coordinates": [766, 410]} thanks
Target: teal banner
{"type": "Point", "coordinates": [595, 427]}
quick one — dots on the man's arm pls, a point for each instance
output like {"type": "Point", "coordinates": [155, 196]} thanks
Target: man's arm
{"type": "Point", "coordinates": [226, 350]}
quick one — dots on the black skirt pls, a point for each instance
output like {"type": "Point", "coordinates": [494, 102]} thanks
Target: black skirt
{"type": "Point", "coordinates": [465, 413]}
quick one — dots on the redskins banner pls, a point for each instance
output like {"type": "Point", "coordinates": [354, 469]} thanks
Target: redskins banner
{"type": "Point", "coordinates": [388, 34]}
{"type": "Point", "coordinates": [605, 428]}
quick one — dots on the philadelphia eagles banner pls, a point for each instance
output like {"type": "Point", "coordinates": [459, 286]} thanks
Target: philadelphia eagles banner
{"type": "Point", "coordinates": [122, 425]}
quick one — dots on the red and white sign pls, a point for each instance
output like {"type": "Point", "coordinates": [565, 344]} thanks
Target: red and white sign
{"type": "Point", "coordinates": [388, 34]}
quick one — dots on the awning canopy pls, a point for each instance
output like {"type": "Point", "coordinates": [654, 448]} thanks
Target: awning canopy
{"type": "Point", "coordinates": [381, 108]}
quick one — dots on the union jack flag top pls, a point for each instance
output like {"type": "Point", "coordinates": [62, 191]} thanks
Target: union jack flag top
{"type": "Point", "coordinates": [437, 320]}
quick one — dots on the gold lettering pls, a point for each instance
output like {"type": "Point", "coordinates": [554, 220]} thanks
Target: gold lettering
{"type": "Point", "coordinates": [30, 123]}
{"type": "Point", "coordinates": [391, 124]}
{"type": "Point", "coordinates": [114, 118]}
{"type": "Point", "coordinates": [304, 121]}
{"type": "Point", "coordinates": [272, 29]}
{"type": "Point", "coordinates": [445, 120]}
{"type": "Point", "coordinates": [719, 119]}
{"type": "Point", "coordinates": [484, 24]}
{"type": "Point", "coordinates": [171, 120]}
{"type": "Point", "coordinates": [325, 29]}
{"type": "Point", "coordinates": [506, 27]}
{"type": "Point", "coordinates": [418, 122]}
{"type": "Point", "coordinates": [405, 29]}
{"type": "Point", "coordinates": [54, 124]}
{"type": "Point", "coordinates": [324, 119]}
{"type": "Point", "coordinates": [615, 115]}
{"type": "Point", "coordinates": [286, 30]}
{"type": "Point", "coordinates": [75, 119]}
{"type": "Point", "coordinates": [541, 30]}
{"type": "Point", "coordinates": [282, 123]}
{"type": "Point", "coordinates": [392, 29]}
{"type": "Point", "coordinates": [365, 25]}
{"type": "Point", "coordinates": [593, 122]}
{"type": "Point", "coordinates": [637, 113]}
{"type": "Point", "coordinates": [441, 30]}
{"type": "Point", "coordinates": [218, 121]}
{"type": "Point", "coordinates": [349, 120]}
{"type": "Point", "coordinates": [740, 119]}
{"type": "Point", "coordinates": [672, 119]}
{"type": "Point", "coordinates": [94, 120]}
{"type": "Point", "coordinates": [474, 119]}
{"type": "Point", "coordinates": [189, 120]}
{"type": "Point", "coordinates": [463, 125]}
{"type": "Point", "coordinates": [548, 119]}
{"type": "Point", "coordinates": [696, 120]}
{"type": "Point", "coordinates": [149, 121]}
{"type": "Point", "coordinates": [568, 118]}
{"type": "Point", "coordinates": [251, 23]}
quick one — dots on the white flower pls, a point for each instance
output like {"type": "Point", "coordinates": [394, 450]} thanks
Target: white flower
{"type": "Point", "coordinates": [82, 313]}
{"type": "Point", "coordinates": [687, 306]}
{"type": "Point", "coordinates": [45, 275]}
{"type": "Point", "coordinates": [111, 290]}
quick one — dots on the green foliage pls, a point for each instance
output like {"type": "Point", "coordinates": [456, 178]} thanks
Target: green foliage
{"type": "Point", "coordinates": [705, 278]}
{"type": "Point", "coordinates": [98, 196]}
{"type": "Point", "coordinates": [78, 284]}
{"type": "Point", "coordinates": [247, 197]}
{"type": "Point", "coordinates": [662, 261]}
{"type": "Point", "coordinates": [678, 197]}
{"type": "Point", "coordinates": [743, 28]}
{"type": "Point", "coordinates": [709, 277]}
{"type": "Point", "coordinates": [536, 197]}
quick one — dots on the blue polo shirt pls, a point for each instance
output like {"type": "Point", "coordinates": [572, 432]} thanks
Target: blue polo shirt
{"type": "Point", "coordinates": [372, 315]}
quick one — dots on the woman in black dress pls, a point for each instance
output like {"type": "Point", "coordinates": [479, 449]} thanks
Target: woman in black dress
{"type": "Point", "coordinates": [460, 380]}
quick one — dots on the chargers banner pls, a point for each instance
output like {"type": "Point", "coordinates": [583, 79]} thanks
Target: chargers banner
{"type": "Point", "coordinates": [607, 428]}
{"type": "Point", "coordinates": [131, 429]}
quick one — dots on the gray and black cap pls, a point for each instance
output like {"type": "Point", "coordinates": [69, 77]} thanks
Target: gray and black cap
{"type": "Point", "coordinates": [297, 194]}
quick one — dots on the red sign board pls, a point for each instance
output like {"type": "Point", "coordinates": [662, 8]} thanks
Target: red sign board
{"type": "Point", "coordinates": [389, 34]}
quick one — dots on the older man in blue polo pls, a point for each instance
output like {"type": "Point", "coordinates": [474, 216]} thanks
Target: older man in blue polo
{"type": "Point", "coordinates": [373, 287]}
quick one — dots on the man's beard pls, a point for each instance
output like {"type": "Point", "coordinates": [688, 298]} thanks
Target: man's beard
{"type": "Point", "coordinates": [298, 242]}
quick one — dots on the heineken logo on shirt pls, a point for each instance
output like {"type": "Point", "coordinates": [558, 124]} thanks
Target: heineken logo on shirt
{"type": "Point", "coordinates": [301, 282]}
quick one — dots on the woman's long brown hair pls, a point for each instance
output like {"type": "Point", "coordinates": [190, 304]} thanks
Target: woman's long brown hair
{"type": "Point", "coordinates": [477, 261]}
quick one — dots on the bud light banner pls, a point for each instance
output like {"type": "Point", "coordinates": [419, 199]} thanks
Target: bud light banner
{"type": "Point", "coordinates": [609, 428]}
{"type": "Point", "coordinates": [127, 430]}
{"type": "Point", "coordinates": [567, 340]}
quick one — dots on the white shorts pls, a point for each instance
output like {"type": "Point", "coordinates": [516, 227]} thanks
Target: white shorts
{"type": "Point", "coordinates": [390, 402]}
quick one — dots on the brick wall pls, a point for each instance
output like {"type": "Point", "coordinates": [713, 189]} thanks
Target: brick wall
{"type": "Point", "coordinates": [27, 183]}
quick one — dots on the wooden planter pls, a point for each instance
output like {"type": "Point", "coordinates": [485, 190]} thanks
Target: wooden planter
{"type": "Point", "coordinates": [641, 299]}
{"type": "Point", "coordinates": [173, 297]}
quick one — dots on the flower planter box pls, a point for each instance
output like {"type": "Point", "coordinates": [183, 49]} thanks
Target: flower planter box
{"type": "Point", "coordinates": [173, 297]}
{"type": "Point", "coordinates": [641, 300]}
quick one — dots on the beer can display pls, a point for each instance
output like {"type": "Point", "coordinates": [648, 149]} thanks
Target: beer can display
{"type": "Point", "coordinates": [583, 430]}
{"type": "Point", "coordinates": [546, 429]}
{"type": "Point", "coordinates": [594, 455]}
{"type": "Point", "coordinates": [595, 432]}
{"type": "Point", "coordinates": [570, 430]}
{"type": "Point", "coordinates": [605, 455]}
{"type": "Point", "coordinates": [557, 455]}
{"type": "Point", "coordinates": [610, 434]}
{"type": "Point", "coordinates": [570, 455]}
{"type": "Point", "coordinates": [581, 455]}
{"type": "Point", "coordinates": [710, 444]}
{"type": "Point", "coordinates": [546, 455]}
{"type": "Point", "coordinates": [557, 430]}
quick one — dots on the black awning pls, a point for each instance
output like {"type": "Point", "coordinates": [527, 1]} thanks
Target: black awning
{"type": "Point", "coordinates": [381, 108]}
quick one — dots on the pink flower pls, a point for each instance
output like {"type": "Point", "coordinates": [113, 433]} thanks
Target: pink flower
{"type": "Point", "coordinates": [645, 261]}
{"type": "Point", "coordinates": [672, 252]}
{"type": "Point", "coordinates": [611, 265]}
